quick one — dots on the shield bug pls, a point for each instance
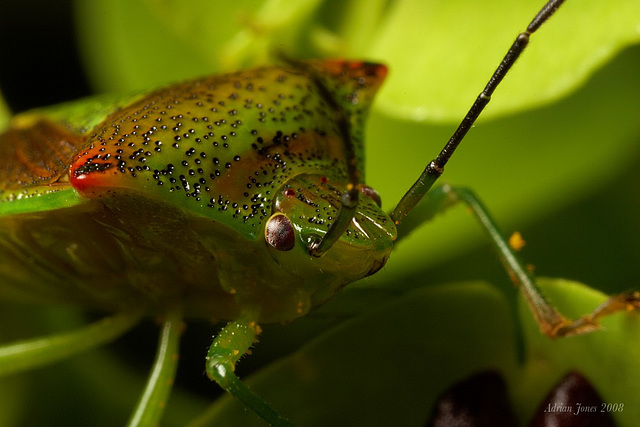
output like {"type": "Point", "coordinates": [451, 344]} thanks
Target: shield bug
{"type": "Point", "coordinates": [94, 162]}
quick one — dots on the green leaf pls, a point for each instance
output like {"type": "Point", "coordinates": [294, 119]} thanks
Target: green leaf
{"type": "Point", "coordinates": [140, 44]}
{"type": "Point", "coordinates": [442, 53]}
{"type": "Point", "coordinates": [525, 167]}
{"type": "Point", "coordinates": [387, 366]}
{"type": "Point", "coordinates": [608, 358]}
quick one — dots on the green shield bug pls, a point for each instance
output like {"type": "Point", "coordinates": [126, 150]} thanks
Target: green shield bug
{"type": "Point", "coordinates": [141, 230]}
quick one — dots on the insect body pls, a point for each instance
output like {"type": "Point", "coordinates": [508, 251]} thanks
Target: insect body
{"type": "Point", "coordinates": [238, 197]}
{"type": "Point", "coordinates": [209, 161]}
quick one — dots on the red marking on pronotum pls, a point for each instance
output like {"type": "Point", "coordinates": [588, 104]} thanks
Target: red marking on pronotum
{"type": "Point", "coordinates": [86, 176]}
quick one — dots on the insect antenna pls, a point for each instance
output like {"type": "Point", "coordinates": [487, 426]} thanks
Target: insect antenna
{"type": "Point", "coordinates": [435, 168]}
{"type": "Point", "coordinates": [349, 199]}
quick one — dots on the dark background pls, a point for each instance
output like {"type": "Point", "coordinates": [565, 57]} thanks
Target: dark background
{"type": "Point", "coordinates": [38, 39]}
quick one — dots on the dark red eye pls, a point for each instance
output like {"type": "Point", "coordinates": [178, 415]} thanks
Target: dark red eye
{"type": "Point", "coordinates": [371, 193]}
{"type": "Point", "coordinates": [279, 232]}
{"type": "Point", "coordinates": [289, 192]}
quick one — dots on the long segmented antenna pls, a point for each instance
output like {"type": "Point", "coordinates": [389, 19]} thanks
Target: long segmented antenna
{"type": "Point", "coordinates": [435, 168]}
{"type": "Point", "coordinates": [349, 199]}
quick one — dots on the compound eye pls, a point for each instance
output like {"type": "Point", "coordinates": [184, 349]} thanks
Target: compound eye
{"type": "Point", "coordinates": [279, 232]}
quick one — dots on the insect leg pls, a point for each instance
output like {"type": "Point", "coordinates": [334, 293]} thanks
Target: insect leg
{"type": "Point", "coordinates": [151, 405]}
{"type": "Point", "coordinates": [29, 354]}
{"type": "Point", "coordinates": [551, 322]}
{"type": "Point", "coordinates": [233, 341]}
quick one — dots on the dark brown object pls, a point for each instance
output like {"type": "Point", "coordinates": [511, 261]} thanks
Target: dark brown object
{"type": "Point", "coordinates": [573, 402]}
{"type": "Point", "coordinates": [480, 400]}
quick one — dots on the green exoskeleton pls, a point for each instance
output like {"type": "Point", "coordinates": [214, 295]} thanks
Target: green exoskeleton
{"type": "Point", "coordinates": [238, 197]}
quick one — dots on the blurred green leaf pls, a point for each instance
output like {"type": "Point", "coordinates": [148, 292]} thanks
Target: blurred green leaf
{"type": "Point", "coordinates": [525, 167]}
{"type": "Point", "coordinates": [608, 358]}
{"type": "Point", "coordinates": [139, 44]}
{"type": "Point", "coordinates": [440, 54]}
{"type": "Point", "coordinates": [388, 365]}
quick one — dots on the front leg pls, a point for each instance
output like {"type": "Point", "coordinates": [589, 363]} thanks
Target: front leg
{"type": "Point", "coordinates": [233, 341]}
